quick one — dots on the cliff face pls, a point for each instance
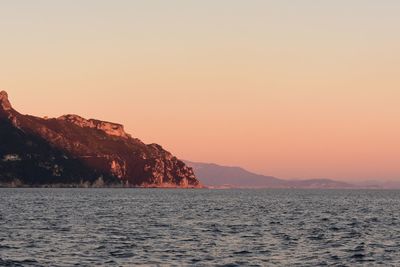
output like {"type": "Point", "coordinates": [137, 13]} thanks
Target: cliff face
{"type": "Point", "coordinates": [71, 149]}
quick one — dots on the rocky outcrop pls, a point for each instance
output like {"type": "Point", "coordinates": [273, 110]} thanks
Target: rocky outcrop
{"type": "Point", "coordinates": [107, 127]}
{"type": "Point", "coordinates": [5, 104]}
{"type": "Point", "coordinates": [71, 149]}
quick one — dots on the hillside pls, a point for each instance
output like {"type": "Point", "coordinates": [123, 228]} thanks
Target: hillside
{"type": "Point", "coordinates": [73, 150]}
{"type": "Point", "coordinates": [216, 176]}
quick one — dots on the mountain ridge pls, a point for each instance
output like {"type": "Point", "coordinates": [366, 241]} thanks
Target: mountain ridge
{"type": "Point", "coordinates": [101, 150]}
{"type": "Point", "coordinates": [218, 176]}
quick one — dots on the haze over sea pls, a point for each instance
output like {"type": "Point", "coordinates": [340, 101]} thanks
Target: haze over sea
{"type": "Point", "coordinates": [126, 227]}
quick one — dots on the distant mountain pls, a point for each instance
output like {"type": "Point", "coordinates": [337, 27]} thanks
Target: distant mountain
{"type": "Point", "coordinates": [318, 183]}
{"type": "Point", "coordinates": [71, 150]}
{"type": "Point", "coordinates": [216, 176]}
{"type": "Point", "coordinates": [379, 184]}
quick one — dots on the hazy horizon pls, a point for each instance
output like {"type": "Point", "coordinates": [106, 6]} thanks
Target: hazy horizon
{"type": "Point", "coordinates": [288, 89]}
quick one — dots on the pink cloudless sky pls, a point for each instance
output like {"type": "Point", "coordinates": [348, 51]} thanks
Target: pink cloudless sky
{"type": "Point", "coordinates": [294, 89]}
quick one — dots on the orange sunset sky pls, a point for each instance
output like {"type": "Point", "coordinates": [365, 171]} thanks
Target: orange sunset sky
{"type": "Point", "coordinates": [294, 89]}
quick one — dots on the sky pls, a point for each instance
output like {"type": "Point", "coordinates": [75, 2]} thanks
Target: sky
{"type": "Point", "coordinates": [293, 89]}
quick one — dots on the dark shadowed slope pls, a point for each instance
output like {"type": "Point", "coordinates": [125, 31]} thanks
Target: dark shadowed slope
{"type": "Point", "coordinates": [214, 175]}
{"type": "Point", "coordinates": [71, 149]}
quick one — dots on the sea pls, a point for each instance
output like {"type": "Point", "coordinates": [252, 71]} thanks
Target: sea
{"type": "Point", "coordinates": [200, 227]}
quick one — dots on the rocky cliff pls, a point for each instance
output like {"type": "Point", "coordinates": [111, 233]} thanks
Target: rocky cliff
{"type": "Point", "coordinates": [74, 150]}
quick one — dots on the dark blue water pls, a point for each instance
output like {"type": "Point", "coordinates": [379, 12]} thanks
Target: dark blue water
{"type": "Point", "coordinates": [126, 227]}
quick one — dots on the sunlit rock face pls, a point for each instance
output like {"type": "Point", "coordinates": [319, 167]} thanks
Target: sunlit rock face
{"type": "Point", "coordinates": [71, 149]}
{"type": "Point", "coordinates": [4, 102]}
{"type": "Point", "coordinates": [107, 127]}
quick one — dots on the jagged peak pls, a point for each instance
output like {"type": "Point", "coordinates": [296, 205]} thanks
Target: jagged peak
{"type": "Point", "coordinates": [3, 93]}
{"type": "Point", "coordinates": [4, 102]}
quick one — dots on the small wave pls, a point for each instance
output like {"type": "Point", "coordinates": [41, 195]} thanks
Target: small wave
{"type": "Point", "coordinates": [243, 252]}
{"type": "Point", "coordinates": [21, 263]}
{"type": "Point", "coordinates": [122, 254]}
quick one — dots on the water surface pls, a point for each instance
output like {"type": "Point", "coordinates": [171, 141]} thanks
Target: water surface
{"type": "Point", "coordinates": [125, 227]}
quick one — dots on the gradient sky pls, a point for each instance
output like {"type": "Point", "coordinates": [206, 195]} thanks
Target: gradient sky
{"type": "Point", "coordinates": [294, 89]}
